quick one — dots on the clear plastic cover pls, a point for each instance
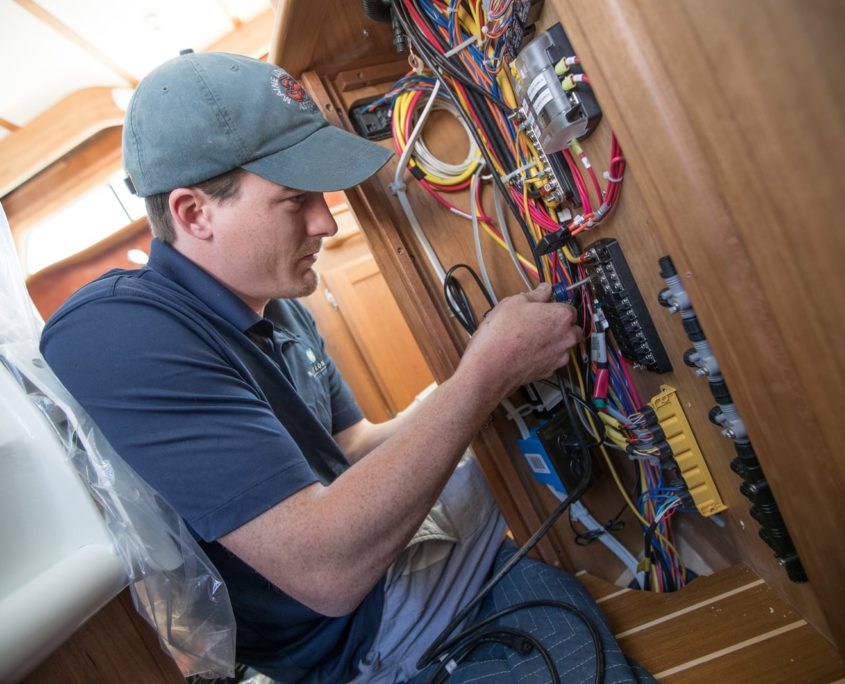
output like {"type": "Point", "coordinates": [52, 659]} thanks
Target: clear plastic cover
{"type": "Point", "coordinates": [173, 584]}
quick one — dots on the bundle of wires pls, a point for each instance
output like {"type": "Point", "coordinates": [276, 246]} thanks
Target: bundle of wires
{"type": "Point", "coordinates": [463, 44]}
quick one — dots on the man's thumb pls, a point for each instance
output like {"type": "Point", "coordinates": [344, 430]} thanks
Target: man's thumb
{"type": "Point", "coordinates": [541, 293]}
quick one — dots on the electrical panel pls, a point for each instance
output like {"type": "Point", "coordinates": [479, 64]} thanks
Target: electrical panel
{"type": "Point", "coordinates": [630, 322]}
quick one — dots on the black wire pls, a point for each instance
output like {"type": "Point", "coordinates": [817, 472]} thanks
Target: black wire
{"type": "Point", "coordinates": [468, 637]}
{"type": "Point", "coordinates": [457, 301]}
{"type": "Point", "coordinates": [503, 635]}
{"type": "Point", "coordinates": [431, 652]}
{"type": "Point", "coordinates": [651, 550]}
{"type": "Point", "coordinates": [436, 645]}
{"type": "Point", "coordinates": [615, 524]}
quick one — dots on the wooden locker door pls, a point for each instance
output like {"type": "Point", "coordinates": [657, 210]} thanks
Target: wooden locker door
{"type": "Point", "coordinates": [373, 317]}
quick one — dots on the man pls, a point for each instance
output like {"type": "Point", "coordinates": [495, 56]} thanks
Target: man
{"type": "Point", "coordinates": [211, 381]}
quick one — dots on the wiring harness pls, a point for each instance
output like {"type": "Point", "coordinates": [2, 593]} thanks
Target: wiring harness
{"type": "Point", "coordinates": [462, 65]}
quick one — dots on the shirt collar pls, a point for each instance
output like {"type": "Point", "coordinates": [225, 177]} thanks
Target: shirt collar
{"type": "Point", "coordinates": [170, 263]}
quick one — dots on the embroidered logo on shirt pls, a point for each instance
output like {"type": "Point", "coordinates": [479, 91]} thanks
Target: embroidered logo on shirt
{"type": "Point", "coordinates": [317, 367]}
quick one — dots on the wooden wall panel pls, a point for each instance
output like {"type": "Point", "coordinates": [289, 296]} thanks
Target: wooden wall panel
{"type": "Point", "coordinates": [740, 171]}
{"type": "Point", "coordinates": [115, 646]}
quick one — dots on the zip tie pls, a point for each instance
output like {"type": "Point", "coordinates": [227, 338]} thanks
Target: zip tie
{"type": "Point", "coordinates": [516, 172]}
{"type": "Point", "coordinates": [469, 41]}
{"type": "Point", "coordinates": [611, 179]}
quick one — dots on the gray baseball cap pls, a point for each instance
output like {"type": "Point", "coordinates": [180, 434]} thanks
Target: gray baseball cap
{"type": "Point", "coordinates": [202, 114]}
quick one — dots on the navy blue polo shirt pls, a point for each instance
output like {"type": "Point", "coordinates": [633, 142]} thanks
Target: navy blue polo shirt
{"type": "Point", "coordinates": [225, 414]}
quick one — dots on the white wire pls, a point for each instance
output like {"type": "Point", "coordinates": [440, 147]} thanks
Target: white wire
{"type": "Point", "coordinates": [398, 187]}
{"type": "Point", "coordinates": [437, 167]}
{"type": "Point", "coordinates": [403, 160]}
{"type": "Point", "coordinates": [476, 235]}
{"type": "Point", "coordinates": [503, 227]}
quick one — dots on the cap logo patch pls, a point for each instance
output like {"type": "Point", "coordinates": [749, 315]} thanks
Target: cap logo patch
{"type": "Point", "coordinates": [291, 90]}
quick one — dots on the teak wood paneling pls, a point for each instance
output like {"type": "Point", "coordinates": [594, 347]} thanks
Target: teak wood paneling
{"type": "Point", "coordinates": [729, 115]}
{"type": "Point", "coordinates": [384, 339]}
{"type": "Point", "coordinates": [50, 135]}
{"type": "Point", "coordinates": [742, 173]}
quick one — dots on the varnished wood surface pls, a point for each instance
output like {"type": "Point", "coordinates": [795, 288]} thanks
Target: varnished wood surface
{"type": "Point", "coordinates": [742, 175]}
{"type": "Point", "coordinates": [729, 627]}
{"type": "Point", "coordinates": [735, 168]}
{"type": "Point", "coordinates": [63, 129]}
{"type": "Point", "coordinates": [50, 287]}
{"type": "Point", "coordinates": [115, 646]}
{"type": "Point", "coordinates": [326, 35]}
{"type": "Point", "coordinates": [50, 135]}
{"type": "Point", "coordinates": [386, 343]}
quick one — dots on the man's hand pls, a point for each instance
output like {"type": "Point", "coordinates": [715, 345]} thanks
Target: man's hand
{"type": "Point", "coordinates": [525, 337]}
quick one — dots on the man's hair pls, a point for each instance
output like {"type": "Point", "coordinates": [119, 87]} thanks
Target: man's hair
{"type": "Point", "coordinates": [221, 188]}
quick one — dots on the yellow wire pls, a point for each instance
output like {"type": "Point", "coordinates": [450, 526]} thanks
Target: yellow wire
{"type": "Point", "coordinates": [615, 474]}
{"type": "Point", "coordinates": [570, 257]}
{"type": "Point", "coordinates": [400, 109]}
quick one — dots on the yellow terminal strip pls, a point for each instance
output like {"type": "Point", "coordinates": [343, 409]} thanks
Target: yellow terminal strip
{"type": "Point", "coordinates": [686, 452]}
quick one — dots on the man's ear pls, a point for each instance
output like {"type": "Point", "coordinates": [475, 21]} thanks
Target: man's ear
{"type": "Point", "coordinates": [189, 209]}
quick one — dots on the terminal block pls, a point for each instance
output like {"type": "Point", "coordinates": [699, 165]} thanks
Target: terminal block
{"type": "Point", "coordinates": [685, 451]}
{"type": "Point", "coordinates": [630, 322]}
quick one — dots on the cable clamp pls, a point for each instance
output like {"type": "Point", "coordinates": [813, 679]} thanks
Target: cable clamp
{"type": "Point", "coordinates": [397, 187]}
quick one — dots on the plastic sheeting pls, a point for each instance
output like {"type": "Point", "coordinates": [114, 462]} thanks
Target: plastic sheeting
{"type": "Point", "coordinates": [173, 584]}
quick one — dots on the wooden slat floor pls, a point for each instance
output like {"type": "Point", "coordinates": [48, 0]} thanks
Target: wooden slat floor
{"type": "Point", "coordinates": [728, 627]}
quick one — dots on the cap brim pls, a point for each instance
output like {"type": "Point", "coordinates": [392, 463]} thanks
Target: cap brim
{"type": "Point", "coordinates": [328, 159]}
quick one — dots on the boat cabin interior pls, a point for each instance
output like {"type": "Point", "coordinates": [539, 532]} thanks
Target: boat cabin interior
{"type": "Point", "coordinates": [675, 170]}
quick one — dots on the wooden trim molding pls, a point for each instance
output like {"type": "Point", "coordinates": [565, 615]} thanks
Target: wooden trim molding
{"type": "Point", "coordinates": [54, 133]}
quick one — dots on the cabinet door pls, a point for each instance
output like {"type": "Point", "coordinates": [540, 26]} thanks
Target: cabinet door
{"type": "Point", "coordinates": [373, 318]}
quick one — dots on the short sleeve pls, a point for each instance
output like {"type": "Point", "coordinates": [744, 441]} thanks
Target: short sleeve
{"type": "Point", "coordinates": [172, 401]}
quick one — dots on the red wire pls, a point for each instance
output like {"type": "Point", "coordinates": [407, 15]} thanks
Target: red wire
{"type": "Point", "coordinates": [579, 181]}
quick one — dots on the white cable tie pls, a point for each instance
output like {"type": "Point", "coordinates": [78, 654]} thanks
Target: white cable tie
{"type": "Point", "coordinates": [469, 41]}
{"type": "Point", "coordinates": [451, 666]}
{"type": "Point", "coordinates": [606, 175]}
{"type": "Point", "coordinates": [507, 178]}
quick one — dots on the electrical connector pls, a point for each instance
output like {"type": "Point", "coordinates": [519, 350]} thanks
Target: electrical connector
{"type": "Point", "coordinates": [686, 451]}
